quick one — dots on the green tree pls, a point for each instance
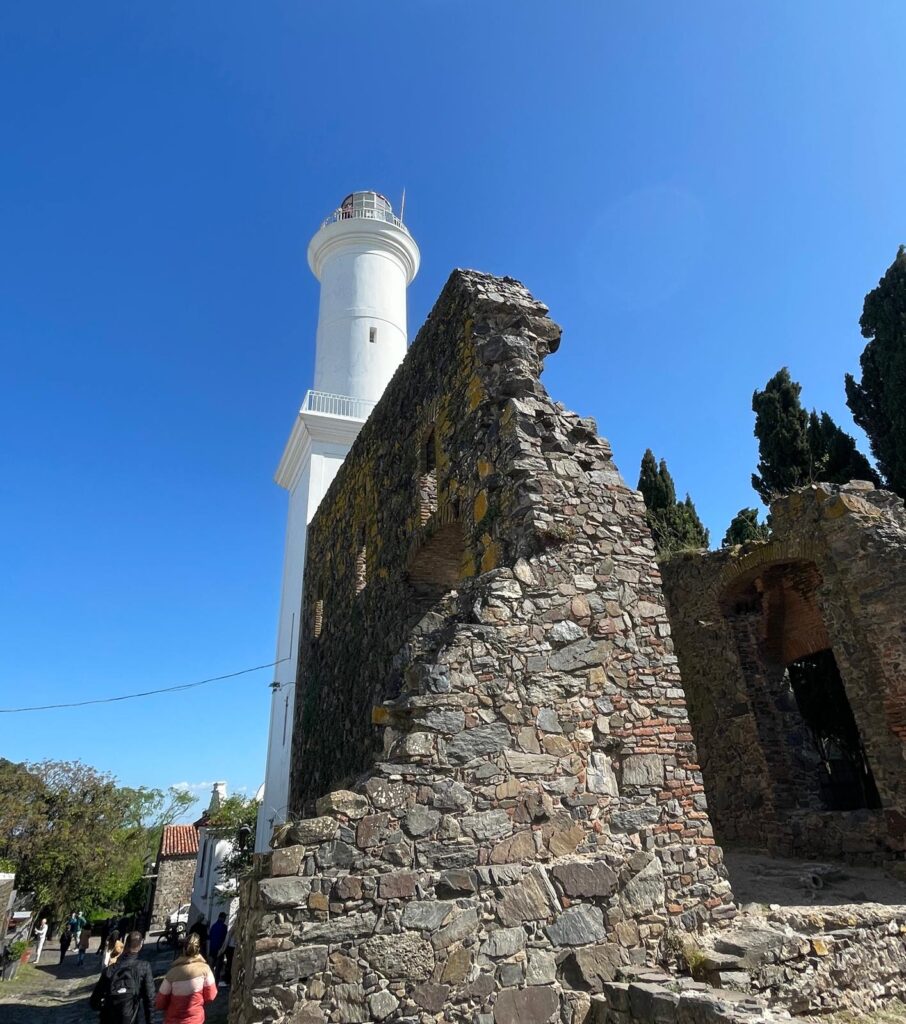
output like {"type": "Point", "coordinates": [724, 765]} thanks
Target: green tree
{"type": "Point", "coordinates": [835, 457]}
{"type": "Point", "coordinates": [781, 426]}
{"type": "Point", "coordinates": [675, 525]}
{"type": "Point", "coordinates": [236, 819]}
{"type": "Point", "coordinates": [797, 448]}
{"type": "Point", "coordinates": [656, 483]}
{"type": "Point", "coordinates": [744, 527]}
{"type": "Point", "coordinates": [78, 838]}
{"type": "Point", "coordinates": [878, 400]}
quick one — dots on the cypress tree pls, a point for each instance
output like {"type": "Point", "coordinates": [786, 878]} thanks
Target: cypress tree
{"type": "Point", "coordinates": [781, 426]}
{"type": "Point", "coordinates": [878, 400]}
{"type": "Point", "coordinates": [797, 448]}
{"type": "Point", "coordinates": [675, 525]}
{"type": "Point", "coordinates": [835, 457]}
{"type": "Point", "coordinates": [656, 483]}
{"type": "Point", "coordinates": [694, 529]}
{"type": "Point", "coordinates": [745, 527]}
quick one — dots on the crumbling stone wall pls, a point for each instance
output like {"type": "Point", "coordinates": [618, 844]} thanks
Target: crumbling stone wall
{"type": "Point", "coordinates": [800, 960]}
{"type": "Point", "coordinates": [487, 661]}
{"type": "Point", "coordinates": [833, 576]}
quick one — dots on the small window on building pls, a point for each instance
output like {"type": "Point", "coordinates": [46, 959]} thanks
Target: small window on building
{"type": "Point", "coordinates": [372, 334]}
{"type": "Point", "coordinates": [317, 619]}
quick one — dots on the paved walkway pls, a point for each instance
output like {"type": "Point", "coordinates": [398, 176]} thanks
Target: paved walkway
{"type": "Point", "coordinates": [55, 993]}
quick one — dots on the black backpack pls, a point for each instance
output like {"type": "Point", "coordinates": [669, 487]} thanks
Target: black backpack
{"type": "Point", "coordinates": [122, 997]}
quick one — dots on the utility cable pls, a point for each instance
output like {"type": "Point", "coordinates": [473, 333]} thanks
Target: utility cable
{"type": "Point", "coordinates": [144, 693]}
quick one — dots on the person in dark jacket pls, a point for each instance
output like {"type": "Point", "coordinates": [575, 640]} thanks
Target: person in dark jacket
{"type": "Point", "coordinates": [126, 987]}
{"type": "Point", "coordinates": [65, 942]}
{"type": "Point", "coordinates": [217, 939]}
{"type": "Point", "coordinates": [105, 931]}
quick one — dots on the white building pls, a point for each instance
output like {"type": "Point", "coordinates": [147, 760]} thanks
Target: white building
{"type": "Point", "coordinates": [211, 892]}
{"type": "Point", "coordinates": [365, 259]}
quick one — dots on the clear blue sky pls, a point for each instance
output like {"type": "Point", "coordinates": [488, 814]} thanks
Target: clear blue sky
{"type": "Point", "coordinates": [701, 193]}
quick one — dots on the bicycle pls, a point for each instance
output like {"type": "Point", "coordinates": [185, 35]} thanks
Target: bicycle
{"type": "Point", "coordinates": [172, 937]}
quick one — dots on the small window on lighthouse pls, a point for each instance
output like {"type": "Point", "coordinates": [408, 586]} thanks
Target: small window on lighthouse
{"type": "Point", "coordinates": [317, 619]}
{"type": "Point", "coordinates": [372, 334]}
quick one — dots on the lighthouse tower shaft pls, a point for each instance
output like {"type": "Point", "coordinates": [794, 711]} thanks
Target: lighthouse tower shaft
{"type": "Point", "coordinates": [364, 258]}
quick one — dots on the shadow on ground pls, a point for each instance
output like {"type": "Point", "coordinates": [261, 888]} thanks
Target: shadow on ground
{"type": "Point", "coordinates": [757, 878]}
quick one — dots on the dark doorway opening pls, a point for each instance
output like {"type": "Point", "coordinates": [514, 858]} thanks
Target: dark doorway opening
{"type": "Point", "coordinates": [846, 779]}
{"type": "Point", "coordinates": [437, 565]}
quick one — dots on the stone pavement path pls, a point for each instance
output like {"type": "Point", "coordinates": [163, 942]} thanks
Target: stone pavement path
{"type": "Point", "coordinates": [54, 993]}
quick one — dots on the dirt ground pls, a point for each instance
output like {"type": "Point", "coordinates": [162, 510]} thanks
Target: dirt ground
{"type": "Point", "coordinates": [55, 993]}
{"type": "Point", "coordinates": [757, 878]}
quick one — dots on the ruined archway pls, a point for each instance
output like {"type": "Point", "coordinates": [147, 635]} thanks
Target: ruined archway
{"type": "Point", "coordinates": [802, 710]}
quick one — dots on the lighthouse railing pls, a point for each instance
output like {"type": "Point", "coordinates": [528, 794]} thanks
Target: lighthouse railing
{"type": "Point", "coordinates": [363, 213]}
{"type": "Point", "coordinates": [337, 405]}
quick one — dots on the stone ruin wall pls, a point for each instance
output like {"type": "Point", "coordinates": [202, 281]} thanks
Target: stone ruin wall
{"type": "Point", "coordinates": [833, 575]}
{"type": "Point", "coordinates": [486, 670]}
{"type": "Point", "coordinates": [173, 887]}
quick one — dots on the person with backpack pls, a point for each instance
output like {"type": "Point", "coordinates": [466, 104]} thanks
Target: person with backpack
{"type": "Point", "coordinates": [113, 952]}
{"type": "Point", "coordinates": [126, 987]}
{"type": "Point", "coordinates": [187, 986]}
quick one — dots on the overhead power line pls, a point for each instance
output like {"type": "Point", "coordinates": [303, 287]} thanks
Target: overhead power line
{"type": "Point", "coordinates": [144, 693]}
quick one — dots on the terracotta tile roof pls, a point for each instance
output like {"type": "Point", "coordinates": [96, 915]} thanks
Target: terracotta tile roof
{"type": "Point", "coordinates": [179, 841]}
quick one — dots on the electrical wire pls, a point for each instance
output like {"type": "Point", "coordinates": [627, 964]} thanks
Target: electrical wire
{"type": "Point", "coordinates": [144, 693]}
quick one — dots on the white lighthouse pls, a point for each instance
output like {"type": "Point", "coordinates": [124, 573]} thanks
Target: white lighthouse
{"type": "Point", "coordinates": [364, 258]}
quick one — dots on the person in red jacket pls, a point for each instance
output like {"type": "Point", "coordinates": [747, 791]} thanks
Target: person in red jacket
{"type": "Point", "coordinates": [187, 986]}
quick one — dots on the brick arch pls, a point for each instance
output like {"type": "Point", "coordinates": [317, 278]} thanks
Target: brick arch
{"type": "Point", "coordinates": [772, 552]}
{"type": "Point", "coordinates": [783, 594]}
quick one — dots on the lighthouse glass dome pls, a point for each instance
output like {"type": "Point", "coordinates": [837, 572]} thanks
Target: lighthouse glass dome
{"type": "Point", "coordinates": [365, 206]}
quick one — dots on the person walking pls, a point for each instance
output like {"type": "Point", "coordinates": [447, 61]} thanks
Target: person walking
{"type": "Point", "coordinates": [65, 941]}
{"type": "Point", "coordinates": [226, 964]}
{"type": "Point", "coordinates": [84, 940]}
{"type": "Point", "coordinates": [187, 986]}
{"type": "Point", "coordinates": [76, 924]}
{"type": "Point", "coordinates": [97, 1000]}
{"type": "Point", "coordinates": [113, 940]}
{"type": "Point", "coordinates": [103, 932]}
{"type": "Point", "coordinates": [40, 938]}
{"type": "Point", "coordinates": [216, 940]}
{"type": "Point", "coordinates": [125, 989]}
{"type": "Point", "coordinates": [200, 928]}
